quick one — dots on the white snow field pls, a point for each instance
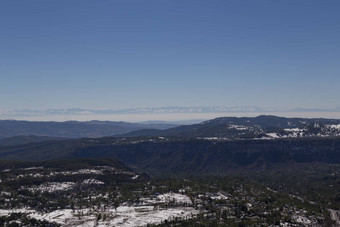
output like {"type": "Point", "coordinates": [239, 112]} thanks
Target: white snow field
{"type": "Point", "coordinates": [124, 215]}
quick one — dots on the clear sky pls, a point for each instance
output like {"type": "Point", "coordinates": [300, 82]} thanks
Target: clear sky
{"type": "Point", "coordinates": [149, 53]}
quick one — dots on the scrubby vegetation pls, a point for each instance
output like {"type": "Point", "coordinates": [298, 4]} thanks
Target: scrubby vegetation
{"type": "Point", "coordinates": [105, 192]}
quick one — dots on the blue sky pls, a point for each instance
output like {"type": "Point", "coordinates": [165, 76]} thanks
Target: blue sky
{"type": "Point", "coordinates": [149, 53]}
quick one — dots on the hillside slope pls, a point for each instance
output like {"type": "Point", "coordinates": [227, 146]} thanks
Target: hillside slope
{"type": "Point", "coordinates": [166, 156]}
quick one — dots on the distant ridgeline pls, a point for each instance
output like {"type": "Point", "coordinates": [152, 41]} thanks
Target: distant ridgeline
{"type": "Point", "coordinates": [72, 129]}
{"type": "Point", "coordinates": [217, 146]}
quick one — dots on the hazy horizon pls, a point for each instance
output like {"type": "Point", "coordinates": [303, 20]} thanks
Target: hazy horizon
{"type": "Point", "coordinates": [169, 114]}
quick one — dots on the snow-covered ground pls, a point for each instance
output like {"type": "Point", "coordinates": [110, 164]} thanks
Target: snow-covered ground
{"type": "Point", "coordinates": [58, 216]}
{"type": "Point", "coordinates": [98, 171]}
{"type": "Point", "coordinates": [302, 220]}
{"type": "Point", "coordinates": [273, 135]}
{"type": "Point", "coordinates": [238, 127]}
{"type": "Point", "coordinates": [92, 181]}
{"type": "Point", "coordinates": [305, 130]}
{"type": "Point", "coordinates": [36, 175]}
{"type": "Point", "coordinates": [80, 171]}
{"type": "Point", "coordinates": [33, 168]}
{"type": "Point", "coordinates": [335, 215]}
{"type": "Point", "coordinates": [135, 177]}
{"type": "Point", "coordinates": [52, 187]}
{"type": "Point", "coordinates": [129, 216]}
{"type": "Point", "coordinates": [141, 216]}
{"type": "Point", "coordinates": [176, 197]}
{"type": "Point", "coordinates": [294, 132]}
{"type": "Point", "coordinates": [167, 198]}
{"type": "Point", "coordinates": [217, 196]}
{"type": "Point", "coordinates": [334, 126]}
{"type": "Point", "coordinates": [4, 212]}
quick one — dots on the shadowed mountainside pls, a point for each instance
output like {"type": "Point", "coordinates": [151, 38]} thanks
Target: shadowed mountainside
{"type": "Point", "coordinates": [185, 156]}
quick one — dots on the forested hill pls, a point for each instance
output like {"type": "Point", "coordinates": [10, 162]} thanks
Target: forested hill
{"type": "Point", "coordinates": [250, 127]}
{"type": "Point", "coordinates": [167, 156]}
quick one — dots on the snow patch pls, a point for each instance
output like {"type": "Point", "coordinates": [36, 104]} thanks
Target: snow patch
{"type": "Point", "coordinates": [53, 186]}
{"type": "Point", "coordinates": [273, 135]}
{"type": "Point", "coordinates": [335, 216]}
{"type": "Point", "coordinates": [238, 127]}
{"type": "Point", "coordinates": [302, 220]}
{"type": "Point", "coordinates": [217, 196]}
{"type": "Point", "coordinates": [58, 216]}
{"type": "Point", "coordinates": [141, 216]}
{"type": "Point", "coordinates": [92, 181]}
{"type": "Point", "coordinates": [33, 168]}
{"type": "Point", "coordinates": [135, 177]}
{"type": "Point", "coordinates": [174, 197]}
{"type": "Point", "coordinates": [334, 126]}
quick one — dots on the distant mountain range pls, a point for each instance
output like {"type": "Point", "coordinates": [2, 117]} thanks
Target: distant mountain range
{"type": "Point", "coordinates": [210, 147]}
{"type": "Point", "coordinates": [72, 129]}
{"type": "Point", "coordinates": [25, 139]}
{"type": "Point", "coordinates": [261, 127]}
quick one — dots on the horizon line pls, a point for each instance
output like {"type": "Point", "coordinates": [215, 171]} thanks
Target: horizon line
{"type": "Point", "coordinates": [168, 117]}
